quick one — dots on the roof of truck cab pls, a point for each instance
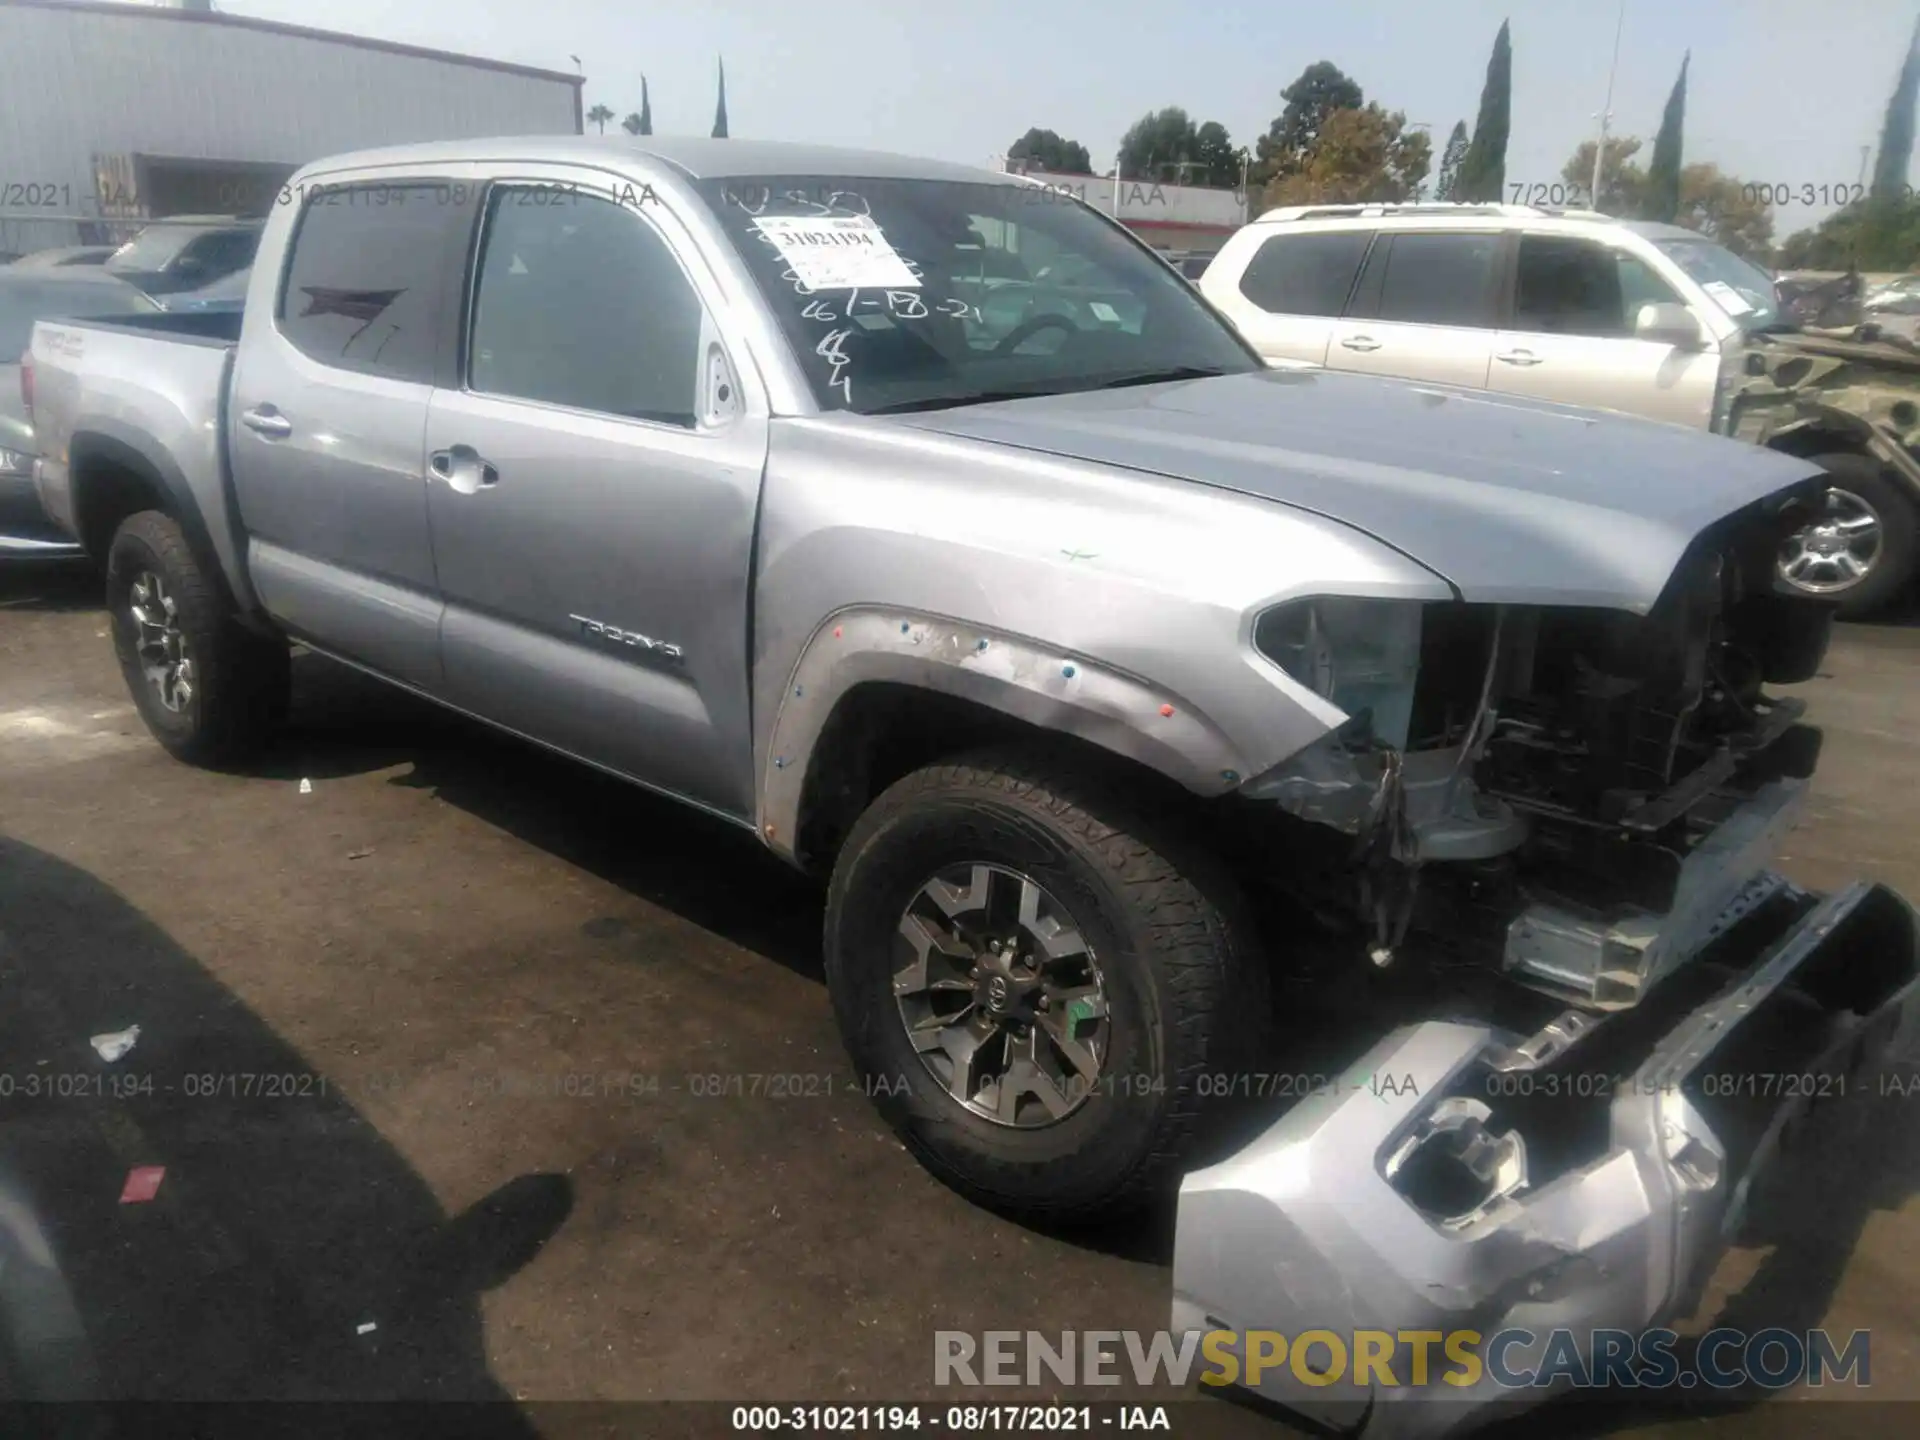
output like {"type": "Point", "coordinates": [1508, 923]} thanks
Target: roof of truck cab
{"type": "Point", "coordinates": [697, 156]}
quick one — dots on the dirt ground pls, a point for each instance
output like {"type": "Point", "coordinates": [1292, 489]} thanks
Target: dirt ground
{"type": "Point", "coordinates": [450, 921]}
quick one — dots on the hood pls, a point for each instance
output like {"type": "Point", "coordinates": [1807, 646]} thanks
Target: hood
{"type": "Point", "coordinates": [1510, 501]}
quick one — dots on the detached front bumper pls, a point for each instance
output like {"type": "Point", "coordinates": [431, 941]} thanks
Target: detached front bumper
{"type": "Point", "coordinates": [1315, 1225]}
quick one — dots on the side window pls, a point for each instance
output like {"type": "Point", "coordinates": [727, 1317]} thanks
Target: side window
{"type": "Point", "coordinates": [1305, 274]}
{"type": "Point", "coordinates": [1435, 279]}
{"type": "Point", "coordinates": [1640, 286]}
{"type": "Point", "coordinates": [363, 286]}
{"type": "Point", "coordinates": [1565, 286]}
{"type": "Point", "coordinates": [581, 303]}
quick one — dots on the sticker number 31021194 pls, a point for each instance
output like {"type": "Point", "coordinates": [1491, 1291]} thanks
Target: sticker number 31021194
{"type": "Point", "coordinates": [838, 252]}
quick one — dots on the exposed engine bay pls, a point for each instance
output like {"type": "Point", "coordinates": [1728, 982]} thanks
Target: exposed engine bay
{"type": "Point", "coordinates": [1552, 1113]}
{"type": "Point", "coordinates": [1562, 787]}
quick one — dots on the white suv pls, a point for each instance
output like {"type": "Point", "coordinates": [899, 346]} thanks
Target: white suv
{"type": "Point", "coordinates": [1564, 305]}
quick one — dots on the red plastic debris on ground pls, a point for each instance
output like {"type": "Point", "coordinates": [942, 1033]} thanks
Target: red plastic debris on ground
{"type": "Point", "coordinates": [143, 1183]}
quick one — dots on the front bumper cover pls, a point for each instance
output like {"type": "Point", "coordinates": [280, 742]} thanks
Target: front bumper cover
{"type": "Point", "coordinates": [1304, 1230]}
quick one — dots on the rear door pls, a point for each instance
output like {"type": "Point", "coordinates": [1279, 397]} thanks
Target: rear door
{"type": "Point", "coordinates": [1571, 335]}
{"type": "Point", "coordinates": [1290, 295]}
{"type": "Point", "coordinates": [1425, 307]}
{"type": "Point", "coordinates": [596, 472]}
{"type": "Point", "coordinates": [328, 416]}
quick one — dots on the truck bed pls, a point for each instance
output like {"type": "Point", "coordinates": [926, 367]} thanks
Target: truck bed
{"type": "Point", "coordinates": [152, 391]}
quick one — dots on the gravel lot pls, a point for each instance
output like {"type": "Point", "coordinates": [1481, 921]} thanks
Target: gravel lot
{"type": "Point", "coordinates": [449, 918]}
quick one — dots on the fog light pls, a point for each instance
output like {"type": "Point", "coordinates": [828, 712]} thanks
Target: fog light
{"type": "Point", "coordinates": [1452, 1168]}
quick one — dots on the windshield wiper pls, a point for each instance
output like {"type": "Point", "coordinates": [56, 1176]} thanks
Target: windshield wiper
{"type": "Point", "coordinates": [988, 397]}
{"type": "Point", "coordinates": [1158, 377]}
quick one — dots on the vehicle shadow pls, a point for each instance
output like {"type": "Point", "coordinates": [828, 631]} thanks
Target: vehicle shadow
{"type": "Point", "coordinates": [288, 1252]}
{"type": "Point", "coordinates": [50, 585]}
{"type": "Point", "coordinates": [704, 870]}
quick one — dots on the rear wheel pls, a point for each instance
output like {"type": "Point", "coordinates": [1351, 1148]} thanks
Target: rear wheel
{"type": "Point", "coordinates": [1047, 993]}
{"type": "Point", "coordinates": [208, 689]}
{"type": "Point", "coordinates": [1860, 552]}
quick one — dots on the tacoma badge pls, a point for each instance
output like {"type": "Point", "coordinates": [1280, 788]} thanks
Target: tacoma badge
{"type": "Point", "coordinates": [613, 635]}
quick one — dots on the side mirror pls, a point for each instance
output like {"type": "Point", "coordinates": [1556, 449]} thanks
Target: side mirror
{"type": "Point", "coordinates": [1668, 324]}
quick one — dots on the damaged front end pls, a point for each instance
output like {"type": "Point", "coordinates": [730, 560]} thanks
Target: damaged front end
{"type": "Point", "coordinates": [1577, 809]}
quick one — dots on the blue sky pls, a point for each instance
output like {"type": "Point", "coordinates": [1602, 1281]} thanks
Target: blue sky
{"type": "Point", "coordinates": [1781, 90]}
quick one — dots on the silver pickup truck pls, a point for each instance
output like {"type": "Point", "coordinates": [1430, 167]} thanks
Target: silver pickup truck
{"type": "Point", "coordinates": [1172, 732]}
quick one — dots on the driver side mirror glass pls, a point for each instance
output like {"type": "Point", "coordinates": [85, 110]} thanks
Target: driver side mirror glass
{"type": "Point", "coordinates": [1666, 323]}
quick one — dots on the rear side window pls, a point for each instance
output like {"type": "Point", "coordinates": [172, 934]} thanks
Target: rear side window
{"type": "Point", "coordinates": [1305, 274]}
{"type": "Point", "coordinates": [1434, 279]}
{"type": "Point", "coordinates": [583, 304]}
{"type": "Point", "coordinates": [364, 285]}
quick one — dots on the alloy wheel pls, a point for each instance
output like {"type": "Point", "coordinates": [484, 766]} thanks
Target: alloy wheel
{"type": "Point", "coordinates": [1001, 995]}
{"type": "Point", "coordinates": [1833, 553]}
{"type": "Point", "coordinates": [160, 642]}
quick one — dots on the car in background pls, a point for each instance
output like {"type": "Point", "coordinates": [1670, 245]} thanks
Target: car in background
{"type": "Point", "coordinates": [1189, 264]}
{"type": "Point", "coordinates": [1898, 296]}
{"type": "Point", "coordinates": [1580, 308]}
{"type": "Point", "coordinates": [185, 252]}
{"type": "Point", "coordinates": [223, 297]}
{"type": "Point", "coordinates": [62, 257]}
{"type": "Point", "coordinates": [27, 296]}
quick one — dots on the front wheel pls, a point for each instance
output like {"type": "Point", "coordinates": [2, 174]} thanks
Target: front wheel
{"type": "Point", "coordinates": [1047, 994]}
{"type": "Point", "coordinates": [209, 690]}
{"type": "Point", "coordinates": [1860, 552]}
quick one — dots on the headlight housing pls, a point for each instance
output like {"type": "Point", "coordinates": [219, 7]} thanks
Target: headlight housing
{"type": "Point", "coordinates": [1360, 654]}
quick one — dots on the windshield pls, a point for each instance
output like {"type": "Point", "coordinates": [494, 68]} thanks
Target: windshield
{"type": "Point", "coordinates": [1737, 286]}
{"type": "Point", "coordinates": [915, 294]}
{"type": "Point", "coordinates": [24, 301]}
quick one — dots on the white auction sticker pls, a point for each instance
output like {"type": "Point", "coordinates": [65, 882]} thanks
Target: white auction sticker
{"type": "Point", "coordinates": [838, 252]}
{"type": "Point", "coordinates": [1731, 300]}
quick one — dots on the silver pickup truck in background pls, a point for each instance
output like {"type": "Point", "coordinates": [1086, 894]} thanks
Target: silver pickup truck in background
{"type": "Point", "coordinates": [1170, 731]}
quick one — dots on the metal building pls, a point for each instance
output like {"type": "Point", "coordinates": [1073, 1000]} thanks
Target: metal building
{"type": "Point", "coordinates": [115, 113]}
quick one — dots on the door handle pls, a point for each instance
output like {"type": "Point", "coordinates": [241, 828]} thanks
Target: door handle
{"type": "Point", "coordinates": [463, 469]}
{"type": "Point", "coordinates": [1360, 342]}
{"type": "Point", "coordinates": [1517, 357]}
{"type": "Point", "coordinates": [267, 421]}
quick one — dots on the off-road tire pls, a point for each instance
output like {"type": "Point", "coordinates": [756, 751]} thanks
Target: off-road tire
{"type": "Point", "coordinates": [241, 680]}
{"type": "Point", "coordinates": [1190, 1006]}
{"type": "Point", "coordinates": [1891, 576]}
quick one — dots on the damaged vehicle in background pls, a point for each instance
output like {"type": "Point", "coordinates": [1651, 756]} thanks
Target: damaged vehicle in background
{"type": "Point", "coordinates": [1169, 731]}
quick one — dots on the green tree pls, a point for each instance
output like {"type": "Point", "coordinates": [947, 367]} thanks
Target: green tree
{"type": "Point", "coordinates": [1321, 89]}
{"type": "Point", "coordinates": [1623, 184]}
{"type": "Point", "coordinates": [646, 109]}
{"type": "Point", "coordinates": [599, 115]}
{"type": "Point", "coordinates": [1219, 161]}
{"type": "Point", "coordinates": [1483, 171]}
{"type": "Point", "coordinates": [720, 108]}
{"type": "Point", "coordinates": [1896, 131]}
{"type": "Point", "coordinates": [632, 122]}
{"type": "Point", "coordinates": [1869, 234]}
{"type": "Point", "coordinates": [1663, 172]}
{"type": "Point", "coordinates": [1364, 154]}
{"type": "Point", "coordinates": [1450, 158]}
{"type": "Point", "coordinates": [1156, 141]}
{"type": "Point", "coordinates": [1047, 151]}
{"type": "Point", "coordinates": [1722, 208]}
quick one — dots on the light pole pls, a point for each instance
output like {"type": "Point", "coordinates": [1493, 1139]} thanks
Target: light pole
{"type": "Point", "coordinates": [1606, 112]}
{"type": "Point", "coordinates": [1119, 155]}
{"type": "Point", "coordinates": [1865, 151]}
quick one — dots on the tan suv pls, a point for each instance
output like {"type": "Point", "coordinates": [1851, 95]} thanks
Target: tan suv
{"type": "Point", "coordinates": [1563, 305]}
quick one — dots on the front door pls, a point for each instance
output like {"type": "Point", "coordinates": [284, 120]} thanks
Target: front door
{"type": "Point", "coordinates": [1572, 340]}
{"type": "Point", "coordinates": [594, 481]}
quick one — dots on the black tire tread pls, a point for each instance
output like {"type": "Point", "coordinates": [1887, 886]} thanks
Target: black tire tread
{"type": "Point", "coordinates": [1201, 935]}
{"type": "Point", "coordinates": [241, 679]}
